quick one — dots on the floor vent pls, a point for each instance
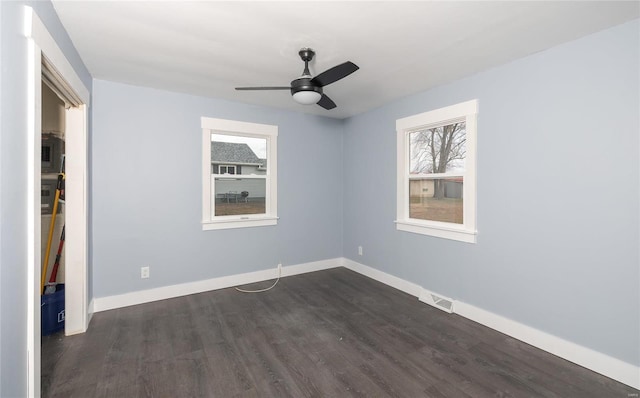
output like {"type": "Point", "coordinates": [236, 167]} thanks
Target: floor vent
{"type": "Point", "coordinates": [436, 300]}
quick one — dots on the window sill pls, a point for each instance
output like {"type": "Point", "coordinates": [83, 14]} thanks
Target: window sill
{"type": "Point", "coordinates": [239, 223]}
{"type": "Point", "coordinates": [446, 232]}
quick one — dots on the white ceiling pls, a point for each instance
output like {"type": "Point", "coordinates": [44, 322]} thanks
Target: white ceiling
{"type": "Point", "coordinates": [207, 48]}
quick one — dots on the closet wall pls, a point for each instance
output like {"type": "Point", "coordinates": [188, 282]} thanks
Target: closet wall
{"type": "Point", "coordinates": [53, 122]}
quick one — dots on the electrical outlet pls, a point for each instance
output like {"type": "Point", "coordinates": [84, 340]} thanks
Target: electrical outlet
{"type": "Point", "coordinates": [360, 250]}
{"type": "Point", "coordinates": [144, 272]}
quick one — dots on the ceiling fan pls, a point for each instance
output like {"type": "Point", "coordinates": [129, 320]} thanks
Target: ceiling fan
{"type": "Point", "coordinates": [306, 89]}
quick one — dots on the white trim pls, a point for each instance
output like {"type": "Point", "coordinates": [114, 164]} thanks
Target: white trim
{"type": "Point", "coordinates": [34, 240]}
{"type": "Point", "coordinates": [226, 126]}
{"type": "Point", "coordinates": [465, 232]}
{"type": "Point", "coordinates": [76, 241]}
{"type": "Point", "coordinates": [91, 308]}
{"type": "Point", "coordinates": [446, 232]}
{"type": "Point", "coordinates": [438, 116]}
{"type": "Point", "coordinates": [380, 276]}
{"type": "Point", "coordinates": [596, 361]}
{"type": "Point", "coordinates": [35, 29]}
{"type": "Point", "coordinates": [39, 42]}
{"type": "Point", "coordinates": [227, 168]}
{"type": "Point", "coordinates": [184, 289]}
{"type": "Point", "coordinates": [601, 363]}
{"type": "Point", "coordinates": [244, 221]}
{"type": "Point", "coordinates": [206, 174]}
{"type": "Point", "coordinates": [256, 130]}
{"type": "Point", "coordinates": [313, 266]}
{"type": "Point", "coordinates": [235, 177]}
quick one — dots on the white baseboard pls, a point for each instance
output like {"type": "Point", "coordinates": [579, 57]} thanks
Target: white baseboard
{"type": "Point", "coordinates": [88, 321]}
{"type": "Point", "coordinates": [598, 362]}
{"type": "Point", "coordinates": [90, 311]}
{"type": "Point", "coordinates": [387, 279]}
{"type": "Point", "coordinates": [314, 266]}
{"type": "Point", "coordinates": [184, 289]}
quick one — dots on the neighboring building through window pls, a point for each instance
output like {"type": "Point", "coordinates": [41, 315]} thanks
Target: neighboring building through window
{"type": "Point", "coordinates": [436, 172]}
{"type": "Point", "coordinates": [239, 174]}
{"type": "Point", "coordinates": [223, 168]}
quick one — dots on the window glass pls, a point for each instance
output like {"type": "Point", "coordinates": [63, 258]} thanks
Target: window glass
{"type": "Point", "coordinates": [436, 185]}
{"type": "Point", "coordinates": [234, 196]}
{"type": "Point", "coordinates": [239, 174]}
{"type": "Point", "coordinates": [439, 149]}
{"type": "Point", "coordinates": [437, 199]}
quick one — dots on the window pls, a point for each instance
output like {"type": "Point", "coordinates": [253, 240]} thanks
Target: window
{"type": "Point", "coordinates": [226, 169]}
{"type": "Point", "coordinates": [436, 172]}
{"type": "Point", "coordinates": [239, 175]}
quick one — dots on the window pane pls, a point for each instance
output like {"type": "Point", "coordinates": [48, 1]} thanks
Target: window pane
{"type": "Point", "coordinates": [438, 150]}
{"type": "Point", "coordinates": [436, 199]}
{"type": "Point", "coordinates": [238, 155]}
{"type": "Point", "coordinates": [227, 169]}
{"type": "Point", "coordinates": [235, 196]}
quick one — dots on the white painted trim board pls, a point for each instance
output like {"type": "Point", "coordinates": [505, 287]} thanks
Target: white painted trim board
{"type": "Point", "coordinates": [593, 360]}
{"type": "Point", "coordinates": [598, 362]}
{"type": "Point", "coordinates": [40, 43]}
{"type": "Point", "coordinates": [380, 276]}
{"type": "Point", "coordinates": [184, 289]}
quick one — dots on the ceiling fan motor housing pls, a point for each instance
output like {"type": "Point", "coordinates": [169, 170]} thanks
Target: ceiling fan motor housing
{"type": "Point", "coordinates": [304, 84]}
{"type": "Point", "coordinates": [307, 90]}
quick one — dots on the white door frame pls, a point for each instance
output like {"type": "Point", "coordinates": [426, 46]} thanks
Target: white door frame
{"type": "Point", "coordinates": [40, 41]}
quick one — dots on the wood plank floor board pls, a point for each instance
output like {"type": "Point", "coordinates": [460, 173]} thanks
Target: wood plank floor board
{"type": "Point", "coordinates": [232, 378]}
{"type": "Point", "coordinates": [451, 368]}
{"type": "Point", "coordinates": [543, 369]}
{"type": "Point", "coordinates": [351, 327]}
{"type": "Point", "coordinates": [516, 377]}
{"type": "Point", "coordinates": [354, 384]}
{"type": "Point", "coordinates": [116, 373]}
{"type": "Point", "coordinates": [559, 370]}
{"type": "Point", "coordinates": [266, 372]}
{"type": "Point", "coordinates": [345, 355]}
{"type": "Point", "coordinates": [331, 333]}
{"type": "Point", "coordinates": [77, 375]}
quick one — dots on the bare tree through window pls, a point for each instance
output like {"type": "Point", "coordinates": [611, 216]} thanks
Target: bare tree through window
{"type": "Point", "coordinates": [437, 163]}
{"type": "Point", "coordinates": [438, 150]}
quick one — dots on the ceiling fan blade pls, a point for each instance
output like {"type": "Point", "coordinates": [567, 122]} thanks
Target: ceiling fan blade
{"type": "Point", "coordinates": [263, 88]}
{"type": "Point", "coordinates": [326, 102]}
{"type": "Point", "coordinates": [334, 74]}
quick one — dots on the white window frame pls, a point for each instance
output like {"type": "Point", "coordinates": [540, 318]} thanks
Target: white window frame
{"type": "Point", "coordinates": [227, 167]}
{"type": "Point", "coordinates": [243, 129]}
{"type": "Point", "coordinates": [465, 232]}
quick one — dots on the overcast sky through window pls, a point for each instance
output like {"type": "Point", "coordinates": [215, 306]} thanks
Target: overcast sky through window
{"type": "Point", "coordinates": [257, 145]}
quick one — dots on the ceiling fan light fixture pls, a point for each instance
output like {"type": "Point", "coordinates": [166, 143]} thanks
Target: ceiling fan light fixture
{"type": "Point", "coordinates": [306, 89]}
{"type": "Point", "coordinates": [307, 97]}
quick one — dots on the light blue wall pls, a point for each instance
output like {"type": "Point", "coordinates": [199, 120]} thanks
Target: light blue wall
{"type": "Point", "coordinates": [558, 185]}
{"type": "Point", "coordinates": [13, 183]}
{"type": "Point", "coordinates": [147, 191]}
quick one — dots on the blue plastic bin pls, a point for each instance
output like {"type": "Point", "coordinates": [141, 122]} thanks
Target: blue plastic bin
{"type": "Point", "coordinates": [52, 311]}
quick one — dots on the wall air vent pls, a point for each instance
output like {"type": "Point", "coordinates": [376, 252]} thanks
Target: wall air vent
{"type": "Point", "coordinates": [436, 300]}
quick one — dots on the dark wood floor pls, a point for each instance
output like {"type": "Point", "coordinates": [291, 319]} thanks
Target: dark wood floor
{"type": "Point", "coordinates": [325, 334]}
